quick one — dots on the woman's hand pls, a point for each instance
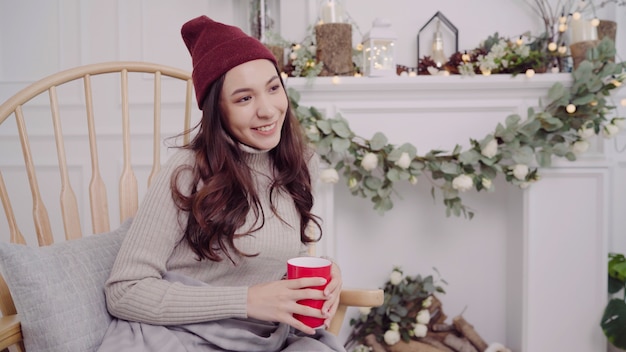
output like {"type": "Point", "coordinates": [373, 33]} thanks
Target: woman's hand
{"type": "Point", "coordinates": [277, 301]}
{"type": "Point", "coordinates": [332, 292]}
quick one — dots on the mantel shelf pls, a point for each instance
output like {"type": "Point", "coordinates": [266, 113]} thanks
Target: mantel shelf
{"type": "Point", "coordinates": [426, 87]}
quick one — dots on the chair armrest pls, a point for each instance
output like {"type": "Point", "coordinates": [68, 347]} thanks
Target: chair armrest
{"type": "Point", "coordinates": [361, 297]}
{"type": "Point", "coordinates": [10, 331]}
{"type": "Point", "coordinates": [354, 298]}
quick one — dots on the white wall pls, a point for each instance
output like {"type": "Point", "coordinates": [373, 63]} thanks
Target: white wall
{"type": "Point", "coordinates": [40, 37]}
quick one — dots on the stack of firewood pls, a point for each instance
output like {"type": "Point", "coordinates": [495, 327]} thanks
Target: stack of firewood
{"type": "Point", "coordinates": [457, 336]}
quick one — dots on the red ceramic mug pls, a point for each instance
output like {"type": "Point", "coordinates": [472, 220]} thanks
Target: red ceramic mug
{"type": "Point", "coordinates": [310, 267]}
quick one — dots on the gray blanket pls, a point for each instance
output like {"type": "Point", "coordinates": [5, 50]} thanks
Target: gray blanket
{"type": "Point", "coordinates": [242, 335]}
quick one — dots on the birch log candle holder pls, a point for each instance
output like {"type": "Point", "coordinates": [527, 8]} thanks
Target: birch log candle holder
{"type": "Point", "coordinates": [334, 48]}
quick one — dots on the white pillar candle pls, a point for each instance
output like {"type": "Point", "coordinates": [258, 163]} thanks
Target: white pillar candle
{"type": "Point", "coordinates": [331, 12]}
{"type": "Point", "coordinates": [582, 29]}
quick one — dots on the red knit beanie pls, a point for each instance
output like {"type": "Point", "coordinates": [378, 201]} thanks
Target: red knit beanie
{"type": "Point", "coordinates": [215, 48]}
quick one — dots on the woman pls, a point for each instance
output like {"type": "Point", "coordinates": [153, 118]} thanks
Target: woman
{"type": "Point", "coordinates": [205, 257]}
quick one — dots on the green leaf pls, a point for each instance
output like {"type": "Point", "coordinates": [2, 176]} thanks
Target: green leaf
{"type": "Point", "coordinates": [341, 129]}
{"type": "Point", "coordinates": [372, 182]}
{"type": "Point", "coordinates": [378, 141]}
{"type": "Point", "coordinates": [523, 155]}
{"type": "Point", "coordinates": [450, 168]}
{"type": "Point", "coordinates": [393, 175]}
{"type": "Point", "coordinates": [557, 91]}
{"type": "Point", "coordinates": [324, 126]}
{"type": "Point", "coordinates": [614, 322]}
{"type": "Point", "coordinates": [469, 157]}
{"type": "Point", "coordinates": [512, 120]}
{"type": "Point", "coordinates": [530, 128]}
{"type": "Point", "coordinates": [323, 147]}
{"type": "Point", "coordinates": [583, 100]}
{"type": "Point", "coordinates": [340, 145]}
{"type": "Point", "coordinates": [544, 158]}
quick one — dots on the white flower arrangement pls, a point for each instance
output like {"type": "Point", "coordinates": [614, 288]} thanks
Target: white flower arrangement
{"type": "Point", "coordinates": [403, 315]}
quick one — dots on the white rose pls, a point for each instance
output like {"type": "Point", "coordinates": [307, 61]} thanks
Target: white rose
{"type": "Point", "coordinates": [365, 310]}
{"type": "Point", "coordinates": [420, 330]}
{"type": "Point", "coordinates": [520, 171]}
{"type": "Point", "coordinates": [427, 302]}
{"type": "Point", "coordinates": [369, 162]}
{"type": "Point", "coordinates": [423, 317]}
{"type": "Point", "coordinates": [619, 122]}
{"type": "Point", "coordinates": [462, 183]}
{"type": "Point", "coordinates": [413, 180]}
{"type": "Point", "coordinates": [580, 147]}
{"type": "Point", "coordinates": [293, 56]}
{"type": "Point", "coordinates": [404, 161]}
{"type": "Point", "coordinates": [391, 337]}
{"type": "Point", "coordinates": [395, 277]}
{"type": "Point", "coordinates": [491, 149]}
{"type": "Point", "coordinates": [586, 132]}
{"type": "Point", "coordinates": [610, 130]}
{"type": "Point", "coordinates": [329, 176]}
{"type": "Point", "coordinates": [486, 183]}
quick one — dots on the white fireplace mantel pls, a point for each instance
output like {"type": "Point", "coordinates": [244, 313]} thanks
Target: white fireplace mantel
{"type": "Point", "coordinates": [551, 290]}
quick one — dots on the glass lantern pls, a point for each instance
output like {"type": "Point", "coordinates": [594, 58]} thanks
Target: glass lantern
{"type": "Point", "coordinates": [379, 58]}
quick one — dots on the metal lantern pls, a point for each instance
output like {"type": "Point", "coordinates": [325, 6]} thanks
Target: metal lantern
{"type": "Point", "coordinates": [379, 58]}
{"type": "Point", "coordinates": [437, 51]}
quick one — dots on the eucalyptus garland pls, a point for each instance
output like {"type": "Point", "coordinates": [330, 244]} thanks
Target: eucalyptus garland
{"type": "Point", "coordinates": [516, 149]}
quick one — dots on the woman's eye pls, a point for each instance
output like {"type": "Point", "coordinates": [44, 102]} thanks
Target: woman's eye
{"type": "Point", "coordinates": [246, 98]}
{"type": "Point", "coordinates": [274, 88]}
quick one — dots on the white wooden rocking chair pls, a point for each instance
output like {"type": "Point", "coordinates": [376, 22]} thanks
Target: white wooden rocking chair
{"type": "Point", "coordinates": [70, 215]}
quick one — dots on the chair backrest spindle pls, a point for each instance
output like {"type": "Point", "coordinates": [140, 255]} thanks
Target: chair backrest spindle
{"type": "Point", "coordinates": [16, 235]}
{"type": "Point", "coordinates": [69, 206]}
{"type": "Point", "coordinates": [128, 182]}
{"type": "Point", "coordinates": [97, 189]}
{"type": "Point", "coordinates": [40, 214]}
{"type": "Point", "coordinates": [156, 136]}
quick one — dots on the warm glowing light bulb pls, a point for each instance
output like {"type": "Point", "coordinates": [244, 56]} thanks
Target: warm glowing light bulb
{"type": "Point", "coordinates": [595, 22]}
{"type": "Point", "coordinates": [485, 72]}
{"type": "Point", "coordinates": [571, 108]}
{"type": "Point", "coordinates": [562, 27]}
{"type": "Point", "coordinates": [593, 103]}
{"type": "Point", "coordinates": [412, 74]}
{"type": "Point", "coordinates": [335, 79]}
{"type": "Point", "coordinates": [283, 75]}
{"type": "Point", "coordinates": [357, 74]}
{"type": "Point", "coordinates": [520, 41]}
{"type": "Point", "coordinates": [552, 46]}
{"type": "Point", "coordinates": [576, 15]}
{"type": "Point", "coordinates": [465, 57]}
{"type": "Point", "coordinates": [555, 69]}
{"type": "Point", "coordinates": [530, 72]}
{"type": "Point", "coordinates": [562, 49]}
{"type": "Point", "coordinates": [562, 19]}
{"type": "Point", "coordinates": [623, 102]}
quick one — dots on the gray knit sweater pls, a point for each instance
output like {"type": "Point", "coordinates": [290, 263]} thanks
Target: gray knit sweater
{"type": "Point", "coordinates": [136, 290]}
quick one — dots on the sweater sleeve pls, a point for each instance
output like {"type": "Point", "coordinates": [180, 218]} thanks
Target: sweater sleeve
{"type": "Point", "coordinates": [136, 290]}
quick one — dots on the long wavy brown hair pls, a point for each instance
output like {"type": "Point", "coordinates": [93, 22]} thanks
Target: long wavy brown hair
{"type": "Point", "coordinates": [218, 209]}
